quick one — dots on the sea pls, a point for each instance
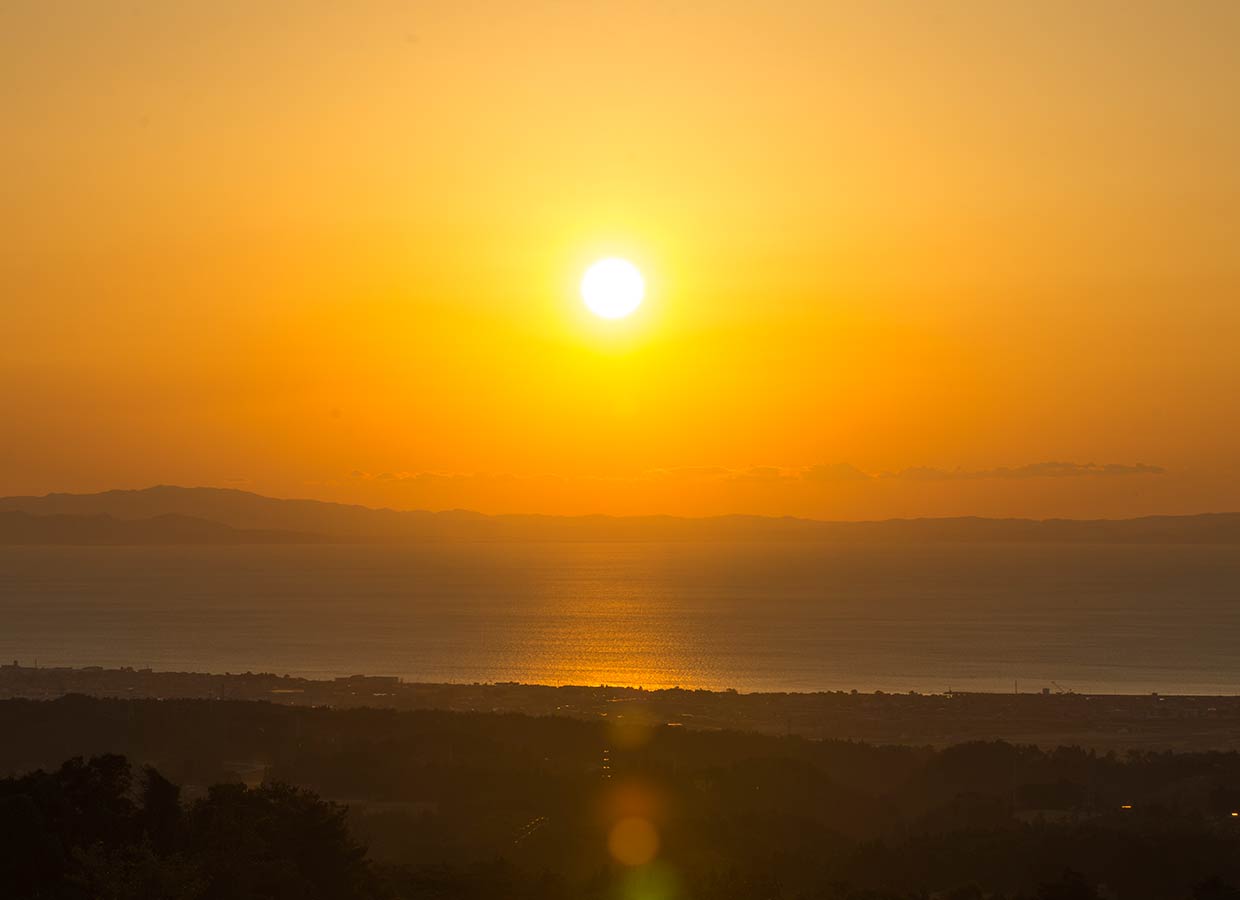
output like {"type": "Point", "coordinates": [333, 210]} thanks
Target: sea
{"type": "Point", "coordinates": [1090, 618]}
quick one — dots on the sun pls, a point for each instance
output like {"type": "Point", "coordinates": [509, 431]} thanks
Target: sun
{"type": "Point", "coordinates": [612, 288]}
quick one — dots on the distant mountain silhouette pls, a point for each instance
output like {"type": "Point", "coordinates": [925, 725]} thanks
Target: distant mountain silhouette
{"type": "Point", "coordinates": [18, 527]}
{"type": "Point", "coordinates": [168, 514]}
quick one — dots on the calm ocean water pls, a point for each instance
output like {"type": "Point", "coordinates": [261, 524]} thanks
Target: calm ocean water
{"type": "Point", "coordinates": [748, 616]}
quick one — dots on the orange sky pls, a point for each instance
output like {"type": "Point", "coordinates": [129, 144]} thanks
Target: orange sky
{"type": "Point", "coordinates": [332, 250]}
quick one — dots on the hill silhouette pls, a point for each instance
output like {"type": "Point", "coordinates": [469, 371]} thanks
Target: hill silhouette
{"type": "Point", "coordinates": [17, 527]}
{"type": "Point", "coordinates": [171, 514]}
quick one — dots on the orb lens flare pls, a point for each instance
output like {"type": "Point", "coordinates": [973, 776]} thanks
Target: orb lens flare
{"type": "Point", "coordinates": [612, 288]}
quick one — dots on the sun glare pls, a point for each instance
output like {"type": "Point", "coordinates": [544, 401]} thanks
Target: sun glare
{"type": "Point", "coordinates": [612, 288]}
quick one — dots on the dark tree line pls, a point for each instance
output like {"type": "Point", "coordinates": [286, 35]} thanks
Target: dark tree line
{"type": "Point", "coordinates": [476, 805]}
{"type": "Point", "coordinates": [92, 831]}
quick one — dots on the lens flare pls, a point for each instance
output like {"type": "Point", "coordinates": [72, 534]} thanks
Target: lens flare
{"type": "Point", "coordinates": [633, 841]}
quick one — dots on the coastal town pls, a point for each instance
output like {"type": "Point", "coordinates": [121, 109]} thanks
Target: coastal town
{"type": "Point", "coordinates": [1047, 716]}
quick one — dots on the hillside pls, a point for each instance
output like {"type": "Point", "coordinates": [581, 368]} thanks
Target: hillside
{"type": "Point", "coordinates": [218, 514]}
{"type": "Point", "coordinates": [18, 527]}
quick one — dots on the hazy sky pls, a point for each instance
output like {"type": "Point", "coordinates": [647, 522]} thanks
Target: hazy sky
{"type": "Point", "coordinates": [332, 249]}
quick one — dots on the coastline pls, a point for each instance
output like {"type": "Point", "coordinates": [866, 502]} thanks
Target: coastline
{"type": "Point", "coordinates": [1103, 721]}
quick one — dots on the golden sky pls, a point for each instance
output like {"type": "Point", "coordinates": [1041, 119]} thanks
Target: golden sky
{"type": "Point", "coordinates": [899, 256]}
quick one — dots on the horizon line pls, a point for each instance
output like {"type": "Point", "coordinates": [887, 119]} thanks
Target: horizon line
{"type": "Point", "coordinates": [619, 516]}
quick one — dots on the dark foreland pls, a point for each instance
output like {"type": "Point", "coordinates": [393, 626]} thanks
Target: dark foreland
{"type": "Point", "coordinates": [1046, 717]}
{"type": "Point", "coordinates": [218, 799]}
{"type": "Point", "coordinates": [170, 514]}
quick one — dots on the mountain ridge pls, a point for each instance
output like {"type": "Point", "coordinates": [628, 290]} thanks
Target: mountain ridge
{"type": "Point", "coordinates": [255, 518]}
{"type": "Point", "coordinates": [18, 527]}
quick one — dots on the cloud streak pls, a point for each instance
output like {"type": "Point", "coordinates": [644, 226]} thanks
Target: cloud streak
{"type": "Point", "coordinates": [1032, 470]}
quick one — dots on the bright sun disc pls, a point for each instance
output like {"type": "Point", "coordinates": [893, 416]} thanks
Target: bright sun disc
{"type": "Point", "coordinates": [612, 288]}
